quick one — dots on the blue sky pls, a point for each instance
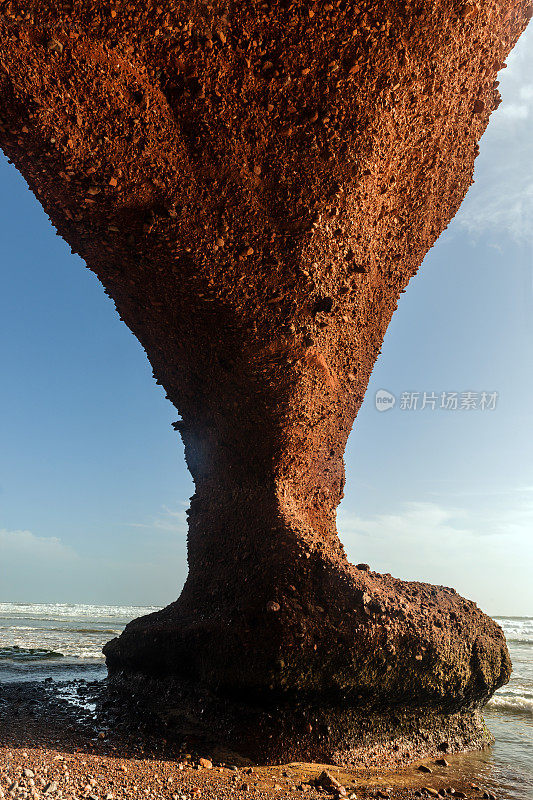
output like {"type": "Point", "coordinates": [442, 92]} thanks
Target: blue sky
{"type": "Point", "coordinates": [93, 485]}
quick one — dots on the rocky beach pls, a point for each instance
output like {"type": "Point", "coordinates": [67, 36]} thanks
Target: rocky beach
{"type": "Point", "coordinates": [61, 719]}
{"type": "Point", "coordinates": [82, 750]}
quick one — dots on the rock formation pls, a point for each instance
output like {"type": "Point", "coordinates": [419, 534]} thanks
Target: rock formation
{"type": "Point", "coordinates": [255, 183]}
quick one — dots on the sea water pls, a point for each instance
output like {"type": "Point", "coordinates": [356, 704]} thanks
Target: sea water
{"type": "Point", "coordinates": [64, 642]}
{"type": "Point", "coordinates": [58, 640]}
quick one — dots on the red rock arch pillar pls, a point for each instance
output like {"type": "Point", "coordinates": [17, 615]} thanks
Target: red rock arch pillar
{"type": "Point", "coordinates": [255, 188]}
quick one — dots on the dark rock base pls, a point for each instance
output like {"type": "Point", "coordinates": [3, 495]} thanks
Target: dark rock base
{"type": "Point", "coordinates": [362, 736]}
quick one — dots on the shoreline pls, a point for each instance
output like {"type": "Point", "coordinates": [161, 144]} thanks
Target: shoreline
{"type": "Point", "coordinates": [77, 752]}
{"type": "Point", "coordinates": [38, 717]}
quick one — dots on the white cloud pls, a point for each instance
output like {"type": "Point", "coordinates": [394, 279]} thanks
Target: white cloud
{"type": "Point", "coordinates": [170, 520]}
{"type": "Point", "coordinates": [44, 569]}
{"type": "Point", "coordinates": [515, 111]}
{"type": "Point", "coordinates": [24, 544]}
{"type": "Point", "coordinates": [501, 199]}
{"type": "Point", "coordinates": [486, 556]}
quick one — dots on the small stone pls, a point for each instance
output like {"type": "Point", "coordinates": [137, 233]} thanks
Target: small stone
{"type": "Point", "coordinates": [28, 773]}
{"type": "Point", "coordinates": [205, 763]}
{"type": "Point", "coordinates": [363, 567]}
{"type": "Point", "coordinates": [273, 606]}
{"type": "Point", "coordinates": [431, 792]}
{"type": "Point", "coordinates": [326, 781]}
{"type": "Point", "coordinates": [257, 170]}
{"type": "Point", "coordinates": [479, 107]}
{"type": "Point", "coordinates": [113, 182]}
{"type": "Point", "coordinates": [55, 46]}
{"type": "Point", "coordinates": [245, 787]}
{"type": "Point", "coordinates": [442, 762]}
{"type": "Point", "coordinates": [424, 768]}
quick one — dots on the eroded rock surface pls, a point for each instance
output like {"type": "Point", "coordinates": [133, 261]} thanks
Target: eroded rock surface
{"type": "Point", "coordinates": [255, 184]}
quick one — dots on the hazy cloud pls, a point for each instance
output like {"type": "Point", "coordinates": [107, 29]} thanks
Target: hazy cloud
{"type": "Point", "coordinates": [44, 569]}
{"type": "Point", "coordinates": [170, 520]}
{"type": "Point", "coordinates": [501, 198]}
{"type": "Point", "coordinates": [475, 552]}
{"type": "Point", "coordinates": [24, 544]}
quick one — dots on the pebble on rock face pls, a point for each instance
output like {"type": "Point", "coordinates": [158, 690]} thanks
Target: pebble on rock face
{"type": "Point", "coordinates": [363, 567]}
{"type": "Point", "coordinates": [55, 46]}
{"type": "Point", "coordinates": [329, 783]}
{"type": "Point", "coordinates": [424, 768]}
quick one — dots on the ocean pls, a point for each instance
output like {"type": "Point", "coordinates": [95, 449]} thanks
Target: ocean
{"type": "Point", "coordinates": [64, 642]}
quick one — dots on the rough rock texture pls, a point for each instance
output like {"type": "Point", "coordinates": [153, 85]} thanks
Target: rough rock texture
{"type": "Point", "coordinates": [255, 184]}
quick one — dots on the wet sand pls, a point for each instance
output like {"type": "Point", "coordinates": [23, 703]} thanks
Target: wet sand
{"type": "Point", "coordinates": [58, 742]}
